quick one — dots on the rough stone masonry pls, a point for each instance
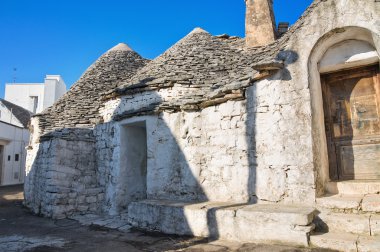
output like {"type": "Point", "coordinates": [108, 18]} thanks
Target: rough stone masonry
{"type": "Point", "coordinates": [215, 137]}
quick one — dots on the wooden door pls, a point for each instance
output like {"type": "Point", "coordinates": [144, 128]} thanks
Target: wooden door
{"type": "Point", "coordinates": [352, 121]}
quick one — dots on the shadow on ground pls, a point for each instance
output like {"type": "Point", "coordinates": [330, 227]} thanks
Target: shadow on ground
{"type": "Point", "coordinates": [22, 231]}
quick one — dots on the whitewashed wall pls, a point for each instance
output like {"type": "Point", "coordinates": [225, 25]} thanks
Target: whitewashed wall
{"type": "Point", "coordinates": [191, 156]}
{"type": "Point", "coordinates": [48, 92]}
{"type": "Point", "coordinates": [14, 139]}
{"type": "Point", "coordinates": [20, 94]}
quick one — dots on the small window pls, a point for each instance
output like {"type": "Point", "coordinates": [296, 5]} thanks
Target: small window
{"type": "Point", "coordinates": [9, 158]}
{"type": "Point", "coordinates": [34, 101]}
{"type": "Point", "coordinates": [16, 157]}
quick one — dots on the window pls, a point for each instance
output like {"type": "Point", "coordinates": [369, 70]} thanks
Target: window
{"type": "Point", "coordinates": [9, 157]}
{"type": "Point", "coordinates": [34, 101]}
{"type": "Point", "coordinates": [16, 157]}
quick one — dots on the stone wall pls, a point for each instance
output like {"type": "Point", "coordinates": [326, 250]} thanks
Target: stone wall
{"type": "Point", "coordinates": [61, 175]}
{"type": "Point", "coordinates": [281, 115]}
{"type": "Point", "coordinates": [192, 156]}
{"type": "Point", "coordinates": [258, 146]}
{"type": "Point", "coordinates": [237, 151]}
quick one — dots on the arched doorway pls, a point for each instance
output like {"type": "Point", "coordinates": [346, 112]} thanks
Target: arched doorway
{"type": "Point", "coordinates": [348, 56]}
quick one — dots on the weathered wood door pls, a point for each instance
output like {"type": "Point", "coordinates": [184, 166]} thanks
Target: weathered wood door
{"type": "Point", "coordinates": [352, 118]}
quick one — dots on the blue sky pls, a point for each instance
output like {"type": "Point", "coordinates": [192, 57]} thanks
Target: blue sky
{"type": "Point", "coordinates": [64, 37]}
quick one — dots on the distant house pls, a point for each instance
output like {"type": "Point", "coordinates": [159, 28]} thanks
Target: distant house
{"type": "Point", "coordinates": [14, 136]}
{"type": "Point", "coordinates": [36, 97]}
{"type": "Point", "coordinates": [21, 101]}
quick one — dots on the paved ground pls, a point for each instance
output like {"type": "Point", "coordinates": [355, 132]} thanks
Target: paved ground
{"type": "Point", "coordinates": [22, 231]}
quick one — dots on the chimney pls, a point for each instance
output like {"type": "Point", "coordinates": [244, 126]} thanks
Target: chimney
{"type": "Point", "coordinates": [260, 28]}
{"type": "Point", "coordinates": [282, 28]}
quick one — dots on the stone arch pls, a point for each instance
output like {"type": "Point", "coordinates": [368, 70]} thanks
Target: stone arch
{"type": "Point", "coordinates": [321, 59]}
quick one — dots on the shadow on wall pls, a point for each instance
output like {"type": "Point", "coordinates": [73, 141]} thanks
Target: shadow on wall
{"type": "Point", "coordinates": [178, 150]}
{"type": "Point", "coordinates": [289, 57]}
{"type": "Point", "coordinates": [176, 170]}
{"type": "Point", "coordinates": [61, 174]}
{"type": "Point", "coordinates": [169, 157]}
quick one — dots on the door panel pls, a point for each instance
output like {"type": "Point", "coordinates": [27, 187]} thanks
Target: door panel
{"type": "Point", "coordinates": [360, 161]}
{"type": "Point", "coordinates": [352, 117]}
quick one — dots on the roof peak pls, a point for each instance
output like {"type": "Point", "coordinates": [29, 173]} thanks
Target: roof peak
{"type": "Point", "coordinates": [121, 47]}
{"type": "Point", "coordinates": [198, 30]}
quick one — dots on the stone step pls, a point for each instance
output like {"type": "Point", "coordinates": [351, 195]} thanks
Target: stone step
{"type": "Point", "coordinates": [345, 242]}
{"type": "Point", "coordinates": [354, 187]}
{"type": "Point", "coordinates": [239, 222]}
{"type": "Point", "coordinates": [342, 222]}
{"type": "Point", "coordinates": [369, 203]}
{"type": "Point", "coordinates": [349, 203]}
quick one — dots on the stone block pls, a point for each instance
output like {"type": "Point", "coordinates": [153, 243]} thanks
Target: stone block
{"type": "Point", "coordinates": [340, 202]}
{"type": "Point", "coordinates": [73, 195]}
{"type": "Point", "coordinates": [350, 223]}
{"type": "Point", "coordinates": [375, 224]}
{"type": "Point", "coordinates": [278, 213]}
{"type": "Point", "coordinates": [93, 207]}
{"type": "Point", "coordinates": [369, 244]}
{"type": "Point", "coordinates": [354, 187]}
{"type": "Point", "coordinates": [81, 199]}
{"type": "Point", "coordinates": [82, 208]}
{"type": "Point", "coordinates": [93, 191]}
{"type": "Point", "coordinates": [226, 109]}
{"type": "Point", "coordinates": [371, 203]}
{"type": "Point", "coordinates": [253, 223]}
{"type": "Point", "coordinates": [337, 241]}
{"type": "Point", "coordinates": [91, 199]}
{"type": "Point", "coordinates": [101, 196]}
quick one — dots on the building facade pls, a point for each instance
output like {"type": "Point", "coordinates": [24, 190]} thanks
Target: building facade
{"type": "Point", "coordinates": [14, 137]}
{"type": "Point", "coordinates": [36, 97]}
{"type": "Point", "coordinates": [255, 139]}
{"type": "Point", "coordinates": [21, 101]}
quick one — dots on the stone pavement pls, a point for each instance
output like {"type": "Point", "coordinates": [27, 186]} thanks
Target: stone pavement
{"type": "Point", "coordinates": [22, 231]}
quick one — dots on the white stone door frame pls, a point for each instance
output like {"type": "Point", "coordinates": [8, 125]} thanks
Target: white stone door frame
{"type": "Point", "coordinates": [120, 194]}
{"type": "Point", "coordinates": [334, 37]}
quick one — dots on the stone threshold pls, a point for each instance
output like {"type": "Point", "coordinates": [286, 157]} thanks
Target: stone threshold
{"type": "Point", "coordinates": [350, 203]}
{"type": "Point", "coordinates": [353, 187]}
{"type": "Point", "coordinates": [264, 223]}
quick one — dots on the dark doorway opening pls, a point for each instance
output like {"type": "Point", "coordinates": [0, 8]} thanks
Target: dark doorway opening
{"type": "Point", "coordinates": [134, 160]}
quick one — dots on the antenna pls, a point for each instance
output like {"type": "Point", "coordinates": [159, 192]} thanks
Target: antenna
{"type": "Point", "coordinates": [14, 74]}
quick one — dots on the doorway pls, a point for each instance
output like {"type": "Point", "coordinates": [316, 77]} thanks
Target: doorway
{"type": "Point", "coordinates": [351, 100]}
{"type": "Point", "coordinates": [134, 161]}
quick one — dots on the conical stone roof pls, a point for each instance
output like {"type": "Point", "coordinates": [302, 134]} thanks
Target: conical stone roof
{"type": "Point", "coordinates": [202, 68]}
{"type": "Point", "coordinates": [80, 105]}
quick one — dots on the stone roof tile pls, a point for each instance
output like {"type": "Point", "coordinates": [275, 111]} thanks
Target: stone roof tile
{"type": "Point", "coordinates": [79, 107]}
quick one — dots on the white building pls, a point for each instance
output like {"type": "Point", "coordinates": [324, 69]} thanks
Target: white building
{"type": "Point", "coordinates": [14, 136]}
{"type": "Point", "coordinates": [21, 101]}
{"type": "Point", "coordinates": [36, 97]}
